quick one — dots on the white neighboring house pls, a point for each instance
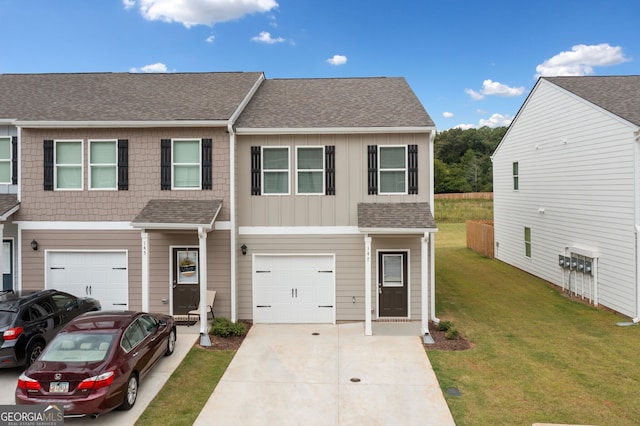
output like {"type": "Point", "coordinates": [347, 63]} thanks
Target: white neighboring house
{"type": "Point", "coordinates": [567, 189]}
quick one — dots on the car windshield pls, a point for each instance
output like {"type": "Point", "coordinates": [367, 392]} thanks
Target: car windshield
{"type": "Point", "coordinates": [78, 347]}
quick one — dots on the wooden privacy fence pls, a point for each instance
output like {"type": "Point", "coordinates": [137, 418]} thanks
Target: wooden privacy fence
{"type": "Point", "coordinates": [480, 237]}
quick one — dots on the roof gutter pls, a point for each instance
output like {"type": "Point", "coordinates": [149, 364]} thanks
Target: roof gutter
{"type": "Point", "coordinates": [34, 124]}
{"type": "Point", "coordinates": [332, 130]}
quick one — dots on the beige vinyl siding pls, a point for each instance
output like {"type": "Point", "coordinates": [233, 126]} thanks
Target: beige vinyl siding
{"type": "Point", "coordinates": [349, 253]}
{"type": "Point", "coordinates": [576, 162]}
{"type": "Point", "coordinates": [351, 181]}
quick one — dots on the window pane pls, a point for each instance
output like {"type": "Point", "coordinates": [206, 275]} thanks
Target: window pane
{"type": "Point", "coordinates": [275, 159]}
{"type": "Point", "coordinates": [392, 181]}
{"type": "Point", "coordinates": [186, 151]}
{"type": "Point", "coordinates": [68, 152]}
{"type": "Point", "coordinates": [515, 169]}
{"type": "Point", "coordinates": [186, 177]}
{"type": "Point", "coordinates": [103, 177]}
{"type": "Point", "coordinates": [392, 157]}
{"type": "Point", "coordinates": [310, 158]}
{"type": "Point", "coordinates": [69, 177]}
{"type": "Point", "coordinates": [5, 148]}
{"type": "Point", "coordinates": [276, 183]}
{"type": "Point", "coordinates": [103, 152]}
{"type": "Point", "coordinates": [310, 182]}
{"type": "Point", "coordinates": [5, 172]}
{"type": "Point", "coordinates": [527, 234]}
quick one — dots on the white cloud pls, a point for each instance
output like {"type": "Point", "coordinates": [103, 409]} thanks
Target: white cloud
{"type": "Point", "coordinates": [265, 37]}
{"type": "Point", "coordinates": [464, 126]}
{"type": "Point", "coordinates": [447, 114]}
{"type": "Point", "coordinates": [199, 12]}
{"type": "Point", "coordinates": [158, 67]}
{"type": "Point", "coordinates": [581, 60]}
{"type": "Point", "coordinates": [494, 88]}
{"type": "Point", "coordinates": [211, 39]}
{"type": "Point", "coordinates": [337, 60]}
{"type": "Point", "coordinates": [496, 120]}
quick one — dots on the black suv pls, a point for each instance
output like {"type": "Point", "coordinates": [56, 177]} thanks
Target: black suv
{"type": "Point", "coordinates": [29, 321]}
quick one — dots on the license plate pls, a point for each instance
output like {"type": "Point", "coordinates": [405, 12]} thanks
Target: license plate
{"type": "Point", "coordinates": [59, 387]}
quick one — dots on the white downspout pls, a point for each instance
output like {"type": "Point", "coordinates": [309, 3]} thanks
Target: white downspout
{"type": "Point", "coordinates": [636, 206]}
{"type": "Point", "coordinates": [432, 246]}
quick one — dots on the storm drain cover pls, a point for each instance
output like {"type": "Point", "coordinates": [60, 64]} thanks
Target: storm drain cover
{"type": "Point", "coordinates": [355, 379]}
{"type": "Point", "coordinates": [453, 392]}
{"type": "Point", "coordinates": [315, 334]}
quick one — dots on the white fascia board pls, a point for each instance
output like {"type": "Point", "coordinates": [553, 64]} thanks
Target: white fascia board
{"type": "Point", "coordinates": [397, 230]}
{"type": "Point", "coordinates": [75, 226]}
{"type": "Point", "coordinates": [8, 120]}
{"type": "Point", "coordinates": [298, 230]}
{"type": "Point", "coordinates": [331, 130]}
{"type": "Point", "coordinates": [9, 213]}
{"type": "Point", "coordinates": [172, 226]}
{"type": "Point", "coordinates": [119, 124]}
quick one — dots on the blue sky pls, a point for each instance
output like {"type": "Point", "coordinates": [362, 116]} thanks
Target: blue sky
{"type": "Point", "coordinates": [471, 62]}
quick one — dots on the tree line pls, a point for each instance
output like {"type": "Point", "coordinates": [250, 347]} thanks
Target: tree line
{"type": "Point", "coordinates": [462, 160]}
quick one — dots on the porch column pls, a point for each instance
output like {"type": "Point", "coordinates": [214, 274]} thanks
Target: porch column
{"type": "Point", "coordinates": [367, 285]}
{"type": "Point", "coordinates": [424, 279]}
{"type": "Point", "coordinates": [145, 270]}
{"type": "Point", "coordinates": [204, 333]}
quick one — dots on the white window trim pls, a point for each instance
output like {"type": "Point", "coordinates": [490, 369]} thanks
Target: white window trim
{"type": "Point", "coordinates": [115, 165]}
{"type": "Point", "coordinates": [321, 170]}
{"type": "Point", "coordinates": [263, 171]}
{"type": "Point", "coordinates": [173, 164]}
{"type": "Point", "coordinates": [55, 165]}
{"type": "Point", "coordinates": [405, 170]}
{"type": "Point", "coordinates": [8, 160]}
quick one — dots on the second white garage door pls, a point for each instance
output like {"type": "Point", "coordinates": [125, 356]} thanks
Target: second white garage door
{"type": "Point", "coordinates": [294, 288]}
{"type": "Point", "coordinates": [101, 275]}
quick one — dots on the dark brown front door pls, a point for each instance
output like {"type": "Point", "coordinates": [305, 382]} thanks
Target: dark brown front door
{"type": "Point", "coordinates": [186, 280]}
{"type": "Point", "coordinates": [392, 285]}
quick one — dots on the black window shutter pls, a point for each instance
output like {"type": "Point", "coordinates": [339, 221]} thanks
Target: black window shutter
{"type": "Point", "coordinates": [48, 165]}
{"type": "Point", "coordinates": [123, 164]}
{"type": "Point", "coordinates": [14, 160]}
{"type": "Point", "coordinates": [256, 170]}
{"type": "Point", "coordinates": [330, 169]}
{"type": "Point", "coordinates": [412, 161]}
{"type": "Point", "coordinates": [165, 164]}
{"type": "Point", "coordinates": [373, 169]}
{"type": "Point", "coordinates": [207, 166]}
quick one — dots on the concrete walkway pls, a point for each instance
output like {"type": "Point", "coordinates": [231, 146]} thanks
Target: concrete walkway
{"type": "Point", "coordinates": [288, 375]}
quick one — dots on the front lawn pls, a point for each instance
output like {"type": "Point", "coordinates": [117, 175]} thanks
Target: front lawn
{"type": "Point", "coordinates": [538, 356]}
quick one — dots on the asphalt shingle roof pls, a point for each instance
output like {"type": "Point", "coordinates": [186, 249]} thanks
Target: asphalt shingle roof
{"type": "Point", "coordinates": [165, 213]}
{"type": "Point", "coordinates": [395, 216]}
{"type": "Point", "coordinates": [7, 203]}
{"type": "Point", "coordinates": [619, 95]}
{"type": "Point", "coordinates": [123, 96]}
{"type": "Point", "coordinates": [334, 103]}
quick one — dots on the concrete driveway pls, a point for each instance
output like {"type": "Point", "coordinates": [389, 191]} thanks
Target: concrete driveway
{"type": "Point", "coordinates": [161, 372]}
{"type": "Point", "coordinates": [327, 375]}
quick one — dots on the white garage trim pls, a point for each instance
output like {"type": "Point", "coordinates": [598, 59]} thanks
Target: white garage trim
{"type": "Point", "coordinates": [294, 288]}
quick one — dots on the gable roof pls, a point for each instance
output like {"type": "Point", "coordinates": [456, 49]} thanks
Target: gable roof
{"type": "Point", "coordinates": [619, 95]}
{"type": "Point", "coordinates": [334, 103]}
{"type": "Point", "coordinates": [123, 96]}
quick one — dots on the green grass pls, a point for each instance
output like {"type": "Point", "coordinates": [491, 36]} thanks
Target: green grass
{"type": "Point", "coordinates": [199, 372]}
{"type": "Point", "coordinates": [457, 211]}
{"type": "Point", "coordinates": [538, 356]}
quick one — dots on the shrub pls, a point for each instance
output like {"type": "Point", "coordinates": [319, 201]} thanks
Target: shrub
{"type": "Point", "coordinates": [452, 334]}
{"type": "Point", "coordinates": [445, 325]}
{"type": "Point", "coordinates": [223, 327]}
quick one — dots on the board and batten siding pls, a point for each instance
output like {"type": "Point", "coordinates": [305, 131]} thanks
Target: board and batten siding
{"type": "Point", "coordinates": [350, 177]}
{"type": "Point", "coordinates": [576, 187]}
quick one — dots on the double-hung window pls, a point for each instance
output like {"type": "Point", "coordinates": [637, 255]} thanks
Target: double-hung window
{"type": "Point", "coordinates": [275, 170]}
{"type": "Point", "coordinates": [103, 164]}
{"type": "Point", "coordinates": [392, 169]}
{"type": "Point", "coordinates": [527, 242]}
{"type": "Point", "coordinates": [516, 183]}
{"type": "Point", "coordinates": [310, 170]}
{"type": "Point", "coordinates": [68, 164]}
{"type": "Point", "coordinates": [186, 163]}
{"type": "Point", "coordinates": [5, 160]}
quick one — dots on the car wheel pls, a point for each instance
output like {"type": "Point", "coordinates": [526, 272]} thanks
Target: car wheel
{"type": "Point", "coordinates": [130, 393]}
{"type": "Point", "coordinates": [171, 343]}
{"type": "Point", "coordinates": [33, 352]}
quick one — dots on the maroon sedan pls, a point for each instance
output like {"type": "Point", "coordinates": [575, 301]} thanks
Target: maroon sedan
{"type": "Point", "coordinates": [97, 361]}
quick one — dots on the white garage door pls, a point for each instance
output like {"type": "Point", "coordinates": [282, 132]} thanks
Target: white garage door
{"type": "Point", "coordinates": [101, 275]}
{"type": "Point", "coordinates": [294, 289]}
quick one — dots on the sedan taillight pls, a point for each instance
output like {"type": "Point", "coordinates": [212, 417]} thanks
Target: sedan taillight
{"type": "Point", "coordinates": [27, 383]}
{"type": "Point", "coordinates": [97, 382]}
{"type": "Point", "coordinates": [12, 333]}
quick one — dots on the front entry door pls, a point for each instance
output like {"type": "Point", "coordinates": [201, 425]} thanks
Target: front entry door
{"type": "Point", "coordinates": [186, 280]}
{"type": "Point", "coordinates": [392, 285]}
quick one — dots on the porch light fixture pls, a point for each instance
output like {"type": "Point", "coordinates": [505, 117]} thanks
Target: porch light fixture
{"type": "Point", "coordinates": [34, 244]}
{"type": "Point", "coordinates": [242, 247]}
